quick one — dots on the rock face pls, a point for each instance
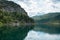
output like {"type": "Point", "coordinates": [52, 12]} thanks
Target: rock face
{"type": "Point", "coordinates": [10, 6]}
{"type": "Point", "coordinates": [11, 14]}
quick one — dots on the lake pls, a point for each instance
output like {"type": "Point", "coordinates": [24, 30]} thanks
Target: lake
{"type": "Point", "coordinates": [44, 32]}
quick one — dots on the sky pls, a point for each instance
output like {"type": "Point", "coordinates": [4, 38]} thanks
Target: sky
{"type": "Point", "coordinates": [39, 7]}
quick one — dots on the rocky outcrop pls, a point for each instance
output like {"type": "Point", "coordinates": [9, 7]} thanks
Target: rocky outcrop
{"type": "Point", "coordinates": [9, 6]}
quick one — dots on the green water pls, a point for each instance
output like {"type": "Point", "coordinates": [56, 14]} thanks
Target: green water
{"type": "Point", "coordinates": [14, 33]}
{"type": "Point", "coordinates": [37, 32]}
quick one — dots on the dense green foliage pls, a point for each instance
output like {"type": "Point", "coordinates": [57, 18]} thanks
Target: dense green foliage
{"type": "Point", "coordinates": [16, 32]}
{"type": "Point", "coordinates": [8, 17]}
{"type": "Point", "coordinates": [14, 21]}
{"type": "Point", "coordinates": [48, 18]}
{"type": "Point", "coordinates": [49, 23]}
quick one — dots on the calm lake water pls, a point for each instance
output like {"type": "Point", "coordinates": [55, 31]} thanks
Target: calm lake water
{"type": "Point", "coordinates": [44, 32]}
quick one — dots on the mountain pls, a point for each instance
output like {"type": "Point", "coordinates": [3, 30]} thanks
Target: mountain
{"type": "Point", "coordinates": [48, 23]}
{"type": "Point", "coordinates": [55, 19]}
{"type": "Point", "coordinates": [48, 18]}
{"type": "Point", "coordinates": [11, 12]}
{"type": "Point", "coordinates": [14, 21]}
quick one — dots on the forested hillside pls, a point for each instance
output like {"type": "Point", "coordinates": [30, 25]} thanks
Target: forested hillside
{"type": "Point", "coordinates": [48, 18]}
{"type": "Point", "coordinates": [14, 21]}
{"type": "Point", "coordinates": [10, 13]}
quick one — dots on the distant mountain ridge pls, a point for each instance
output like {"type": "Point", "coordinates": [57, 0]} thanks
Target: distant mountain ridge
{"type": "Point", "coordinates": [48, 17]}
{"type": "Point", "coordinates": [49, 23]}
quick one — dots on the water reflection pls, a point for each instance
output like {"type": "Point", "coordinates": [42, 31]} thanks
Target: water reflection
{"type": "Point", "coordinates": [14, 33]}
{"type": "Point", "coordinates": [48, 28]}
{"type": "Point", "coordinates": [44, 32]}
{"type": "Point", "coordinates": [37, 35]}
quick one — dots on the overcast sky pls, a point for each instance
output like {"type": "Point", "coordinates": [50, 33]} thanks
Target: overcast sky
{"type": "Point", "coordinates": [36, 7]}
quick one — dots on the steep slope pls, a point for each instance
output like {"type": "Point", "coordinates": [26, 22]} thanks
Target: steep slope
{"type": "Point", "coordinates": [14, 21]}
{"type": "Point", "coordinates": [10, 6]}
{"type": "Point", "coordinates": [11, 12]}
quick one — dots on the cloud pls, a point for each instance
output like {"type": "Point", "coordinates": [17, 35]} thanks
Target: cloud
{"type": "Point", "coordinates": [32, 7]}
{"type": "Point", "coordinates": [56, 1]}
{"type": "Point", "coordinates": [33, 35]}
{"type": "Point", "coordinates": [56, 5]}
